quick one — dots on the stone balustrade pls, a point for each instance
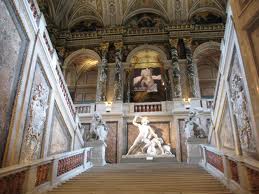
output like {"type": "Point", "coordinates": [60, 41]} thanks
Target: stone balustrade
{"type": "Point", "coordinates": [48, 43]}
{"type": "Point", "coordinates": [44, 174]}
{"type": "Point", "coordinates": [207, 103]}
{"type": "Point", "coordinates": [147, 107]}
{"type": "Point", "coordinates": [165, 107]}
{"type": "Point", "coordinates": [34, 9]}
{"type": "Point", "coordinates": [84, 108]}
{"type": "Point", "coordinates": [65, 91]}
{"type": "Point", "coordinates": [239, 173]}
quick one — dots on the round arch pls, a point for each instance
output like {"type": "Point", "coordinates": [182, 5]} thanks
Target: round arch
{"type": "Point", "coordinates": [207, 58]}
{"type": "Point", "coordinates": [216, 11]}
{"type": "Point", "coordinates": [144, 10]}
{"type": "Point", "coordinates": [147, 47]}
{"type": "Point", "coordinates": [86, 52]}
{"type": "Point", "coordinates": [205, 47]}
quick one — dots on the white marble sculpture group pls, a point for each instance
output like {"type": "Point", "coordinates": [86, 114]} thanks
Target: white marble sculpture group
{"type": "Point", "coordinates": [98, 130]}
{"type": "Point", "coordinates": [147, 142]}
{"type": "Point", "coordinates": [193, 128]}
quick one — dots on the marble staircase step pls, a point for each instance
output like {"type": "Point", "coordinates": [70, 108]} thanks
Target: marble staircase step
{"type": "Point", "coordinates": [140, 178]}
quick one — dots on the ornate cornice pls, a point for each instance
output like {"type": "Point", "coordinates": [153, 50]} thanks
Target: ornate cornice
{"type": "Point", "coordinates": [142, 35]}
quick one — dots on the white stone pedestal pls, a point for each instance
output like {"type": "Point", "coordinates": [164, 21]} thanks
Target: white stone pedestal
{"type": "Point", "coordinates": [98, 152]}
{"type": "Point", "coordinates": [194, 154]}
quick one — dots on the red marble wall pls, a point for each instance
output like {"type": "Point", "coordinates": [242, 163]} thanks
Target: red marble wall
{"type": "Point", "coordinates": [215, 160]}
{"type": "Point", "coordinates": [111, 150]}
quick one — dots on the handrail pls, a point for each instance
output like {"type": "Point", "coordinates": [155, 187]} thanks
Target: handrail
{"type": "Point", "coordinates": [219, 161]}
{"type": "Point", "coordinates": [44, 174]}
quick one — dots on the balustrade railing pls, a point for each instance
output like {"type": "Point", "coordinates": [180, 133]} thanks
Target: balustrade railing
{"type": "Point", "coordinates": [47, 42]}
{"type": "Point", "coordinates": [35, 10]}
{"type": "Point", "coordinates": [147, 107]}
{"type": "Point", "coordinates": [207, 103]}
{"type": "Point", "coordinates": [65, 91]}
{"type": "Point", "coordinates": [30, 178]}
{"type": "Point", "coordinates": [244, 172]}
{"type": "Point", "coordinates": [83, 109]}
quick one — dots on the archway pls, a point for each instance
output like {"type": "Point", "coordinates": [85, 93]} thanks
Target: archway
{"type": "Point", "coordinates": [80, 69]}
{"type": "Point", "coordinates": [147, 79]}
{"type": "Point", "coordinates": [207, 57]}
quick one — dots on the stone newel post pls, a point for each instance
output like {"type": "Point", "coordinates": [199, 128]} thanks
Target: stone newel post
{"type": "Point", "coordinates": [118, 73]}
{"type": "Point", "coordinates": [177, 91]}
{"type": "Point", "coordinates": [102, 74]}
{"type": "Point", "coordinates": [191, 70]}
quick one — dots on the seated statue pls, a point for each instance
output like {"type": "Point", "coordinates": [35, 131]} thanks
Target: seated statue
{"type": "Point", "coordinates": [193, 127]}
{"type": "Point", "coordinates": [98, 130]}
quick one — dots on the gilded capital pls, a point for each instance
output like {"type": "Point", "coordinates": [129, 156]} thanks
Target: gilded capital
{"type": "Point", "coordinates": [173, 42]}
{"type": "Point", "coordinates": [104, 46]}
{"type": "Point", "coordinates": [187, 41]}
{"type": "Point", "coordinates": [118, 45]}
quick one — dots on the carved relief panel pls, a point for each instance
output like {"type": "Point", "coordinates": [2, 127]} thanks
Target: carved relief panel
{"type": "Point", "coordinates": [240, 106]}
{"type": "Point", "coordinates": [36, 116]}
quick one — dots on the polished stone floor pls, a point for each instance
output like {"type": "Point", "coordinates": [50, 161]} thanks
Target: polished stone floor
{"type": "Point", "coordinates": [138, 178]}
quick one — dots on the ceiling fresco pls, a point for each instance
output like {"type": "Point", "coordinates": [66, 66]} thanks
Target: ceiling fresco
{"type": "Point", "coordinates": [87, 15]}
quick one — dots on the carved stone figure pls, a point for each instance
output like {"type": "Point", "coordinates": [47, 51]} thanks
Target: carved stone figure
{"type": "Point", "coordinates": [98, 130]}
{"type": "Point", "coordinates": [239, 102]}
{"type": "Point", "coordinates": [37, 119]}
{"type": "Point", "coordinates": [193, 127]}
{"type": "Point", "coordinates": [147, 141]}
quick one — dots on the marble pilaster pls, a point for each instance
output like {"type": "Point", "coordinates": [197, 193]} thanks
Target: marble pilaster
{"type": "Point", "coordinates": [177, 91]}
{"type": "Point", "coordinates": [101, 93]}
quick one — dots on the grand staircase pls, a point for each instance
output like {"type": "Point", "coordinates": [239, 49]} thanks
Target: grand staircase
{"type": "Point", "coordinates": [138, 178]}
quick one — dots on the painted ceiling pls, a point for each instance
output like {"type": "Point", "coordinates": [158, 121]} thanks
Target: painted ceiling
{"type": "Point", "coordinates": [89, 15]}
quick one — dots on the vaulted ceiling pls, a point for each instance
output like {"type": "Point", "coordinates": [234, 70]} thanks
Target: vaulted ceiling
{"type": "Point", "coordinates": [85, 15]}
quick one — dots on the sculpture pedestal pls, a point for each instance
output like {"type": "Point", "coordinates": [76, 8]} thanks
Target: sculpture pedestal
{"type": "Point", "coordinates": [145, 158]}
{"type": "Point", "coordinates": [194, 154]}
{"type": "Point", "coordinates": [98, 152]}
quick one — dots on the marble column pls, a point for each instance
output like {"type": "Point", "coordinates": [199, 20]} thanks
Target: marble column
{"type": "Point", "coordinates": [118, 72]}
{"type": "Point", "coordinates": [102, 74]}
{"type": "Point", "coordinates": [177, 91]}
{"type": "Point", "coordinates": [191, 70]}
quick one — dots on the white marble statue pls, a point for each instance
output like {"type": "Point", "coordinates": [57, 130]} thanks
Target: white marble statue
{"type": "Point", "coordinates": [147, 141]}
{"type": "Point", "coordinates": [193, 127]}
{"type": "Point", "coordinates": [99, 129]}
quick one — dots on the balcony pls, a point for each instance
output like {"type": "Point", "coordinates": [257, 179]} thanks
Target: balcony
{"type": "Point", "coordinates": [148, 108]}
